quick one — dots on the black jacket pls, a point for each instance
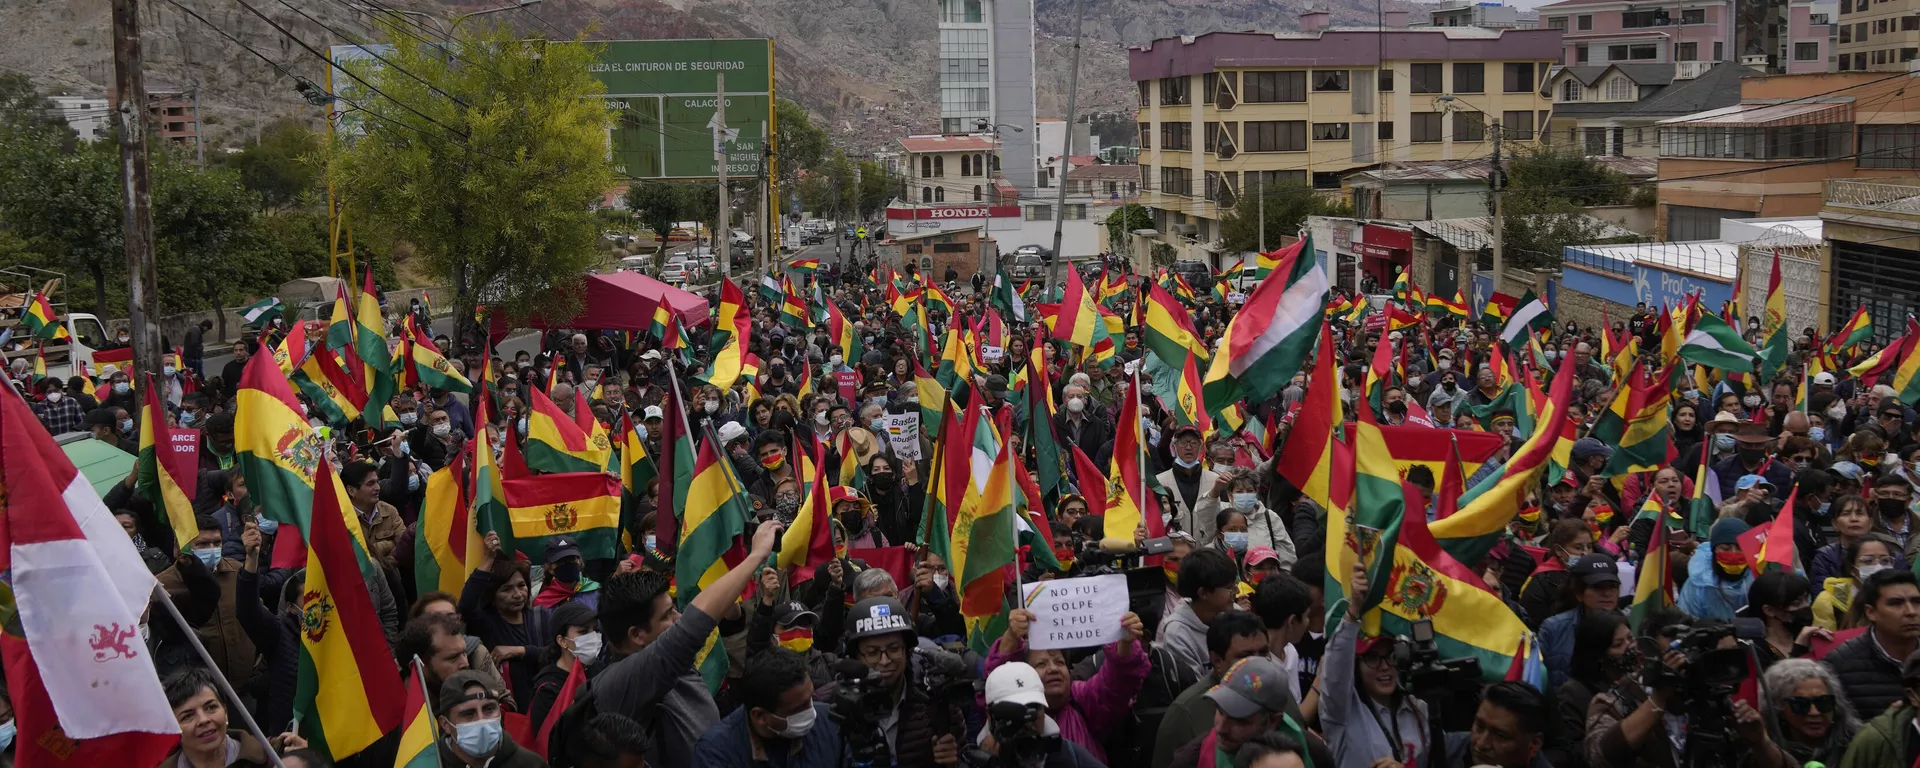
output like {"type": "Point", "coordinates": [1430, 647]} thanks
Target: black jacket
{"type": "Point", "coordinates": [277, 637]}
{"type": "Point", "coordinates": [1871, 679]}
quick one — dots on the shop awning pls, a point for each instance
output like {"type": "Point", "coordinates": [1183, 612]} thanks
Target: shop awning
{"type": "Point", "coordinates": [624, 301]}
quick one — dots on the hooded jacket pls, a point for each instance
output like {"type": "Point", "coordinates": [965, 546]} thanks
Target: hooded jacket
{"type": "Point", "coordinates": [1706, 595]}
{"type": "Point", "coordinates": [1883, 741]}
{"type": "Point", "coordinates": [1184, 635]}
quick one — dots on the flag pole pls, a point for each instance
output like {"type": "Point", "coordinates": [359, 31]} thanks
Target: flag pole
{"type": "Point", "coordinates": [1140, 462]}
{"type": "Point", "coordinates": [219, 679]}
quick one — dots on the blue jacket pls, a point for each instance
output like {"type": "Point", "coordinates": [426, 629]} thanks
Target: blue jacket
{"type": "Point", "coordinates": [729, 745]}
{"type": "Point", "coordinates": [1556, 645]}
{"type": "Point", "coordinates": [1705, 595]}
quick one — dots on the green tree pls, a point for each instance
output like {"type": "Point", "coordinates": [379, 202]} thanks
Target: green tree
{"type": "Point", "coordinates": [205, 239]}
{"type": "Point", "coordinates": [1286, 209]}
{"type": "Point", "coordinates": [283, 166]}
{"type": "Point", "coordinates": [878, 187]}
{"type": "Point", "coordinates": [1563, 173]}
{"type": "Point", "coordinates": [657, 204]}
{"type": "Point", "coordinates": [1543, 209]}
{"type": "Point", "coordinates": [488, 155]}
{"type": "Point", "coordinates": [803, 145]}
{"type": "Point", "coordinates": [66, 207]}
{"type": "Point", "coordinates": [1122, 222]}
{"type": "Point", "coordinates": [25, 108]}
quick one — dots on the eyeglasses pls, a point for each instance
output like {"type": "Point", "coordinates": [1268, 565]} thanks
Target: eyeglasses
{"type": "Point", "coordinates": [1802, 705]}
{"type": "Point", "coordinates": [1871, 560]}
{"type": "Point", "coordinates": [872, 655]}
{"type": "Point", "coordinates": [1376, 660]}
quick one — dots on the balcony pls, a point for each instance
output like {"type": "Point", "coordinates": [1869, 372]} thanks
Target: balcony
{"type": "Point", "coordinates": [1890, 195]}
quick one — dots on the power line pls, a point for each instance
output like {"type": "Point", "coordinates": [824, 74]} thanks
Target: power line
{"type": "Point", "coordinates": [371, 52]}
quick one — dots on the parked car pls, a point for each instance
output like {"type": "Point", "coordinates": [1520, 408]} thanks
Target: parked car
{"type": "Point", "coordinates": [1026, 266]}
{"type": "Point", "coordinates": [1045, 253]}
{"type": "Point", "coordinates": [678, 269]}
{"type": "Point", "coordinates": [1197, 274]}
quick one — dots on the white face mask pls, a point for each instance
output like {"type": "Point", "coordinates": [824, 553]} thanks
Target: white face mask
{"type": "Point", "coordinates": [586, 648]}
{"type": "Point", "coordinates": [1869, 570]}
{"type": "Point", "coordinates": [798, 724]}
{"type": "Point", "coordinates": [54, 396]}
{"type": "Point", "coordinates": [820, 418]}
{"type": "Point", "coordinates": [711, 406]}
{"type": "Point", "coordinates": [442, 430]}
{"type": "Point", "coordinates": [941, 580]}
{"type": "Point", "coordinates": [1076, 404]}
{"type": "Point", "coordinates": [1837, 411]}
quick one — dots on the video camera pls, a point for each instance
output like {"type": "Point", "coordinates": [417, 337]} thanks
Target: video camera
{"type": "Point", "coordinates": [1021, 745]}
{"type": "Point", "coordinates": [860, 702]}
{"type": "Point", "coordinates": [1450, 687]}
{"type": "Point", "coordinates": [1704, 687]}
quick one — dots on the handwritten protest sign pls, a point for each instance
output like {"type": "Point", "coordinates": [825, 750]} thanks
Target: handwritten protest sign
{"type": "Point", "coordinates": [903, 433]}
{"type": "Point", "coordinates": [1076, 613]}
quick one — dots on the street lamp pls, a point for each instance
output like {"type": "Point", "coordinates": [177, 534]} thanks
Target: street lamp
{"type": "Point", "coordinates": [1496, 183]}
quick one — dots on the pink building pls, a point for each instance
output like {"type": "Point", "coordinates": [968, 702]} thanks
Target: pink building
{"type": "Point", "coordinates": [1600, 32]}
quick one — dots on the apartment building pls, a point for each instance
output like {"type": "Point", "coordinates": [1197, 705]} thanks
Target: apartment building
{"type": "Point", "coordinates": [1771, 154]}
{"type": "Point", "coordinates": [952, 169]}
{"type": "Point", "coordinates": [1877, 35]}
{"type": "Point", "coordinates": [173, 114]}
{"type": "Point", "coordinates": [986, 76]}
{"type": "Point", "coordinates": [1614, 109]}
{"type": "Point", "coordinates": [1790, 36]}
{"type": "Point", "coordinates": [1226, 112]}
{"type": "Point", "coordinates": [1478, 13]}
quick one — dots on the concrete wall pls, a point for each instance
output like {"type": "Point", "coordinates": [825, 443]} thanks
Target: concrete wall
{"type": "Point", "coordinates": [1639, 220]}
{"type": "Point", "coordinates": [1587, 310]}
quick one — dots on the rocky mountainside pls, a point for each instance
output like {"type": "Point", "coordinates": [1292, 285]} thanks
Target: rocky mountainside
{"type": "Point", "coordinates": [864, 67]}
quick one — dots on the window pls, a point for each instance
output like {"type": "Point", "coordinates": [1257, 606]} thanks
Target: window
{"type": "Point", "coordinates": [1846, 33]}
{"type": "Point", "coordinates": [1275, 136]}
{"type": "Point", "coordinates": [1693, 16]}
{"type": "Point", "coordinates": [1470, 78]}
{"type": "Point", "coordinates": [1595, 141]}
{"type": "Point", "coordinates": [1686, 51]}
{"type": "Point", "coordinates": [1274, 87]}
{"type": "Point", "coordinates": [1908, 54]}
{"type": "Point", "coordinates": [1383, 131]}
{"type": "Point", "coordinates": [1860, 31]}
{"type": "Point", "coordinates": [1209, 83]}
{"type": "Point", "coordinates": [1571, 90]}
{"type": "Point", "coordinates": [1619, 141]}
{"type": "Point", "coordinates": [939, 165]}
{"type": "Point", "coordinates": [1146, 175]}
{"type": "Point", "coordinates": [1880, 27]}
{"type": "Point", "coordinates": [1580, 54]}
{"type": "Point", "coordinates": [1173, 181]}
{"type": "Point", "coordinates": [1796, 141]}
{"type": "Point", "coordinates": [966, 165]}
{"type": "Point", "coordinates": [1616, 53]}
{"type": "Point", "coordinates": [1643, 52]}
{"type": "Point", "coordinates": [1173, 91]}
{"type": "Point", "coordinates": [1619, 88]}
{"type": "Point", "coordinates": [1229, 90]}
{"type": "Point", "coordinates": [1583, 23]}
{"type": "Point", "coordinates": [1890, 146]}
{"type": "Point", "coordinates": [1386, 80]}
{"type": "Point", "coordinates": [1909, 23]}
{"type": "Point", "coordinates": [926, 166]}
{"type": "Point", "coordinates": [1330, 80]}
{"type": "Point", "coordinates": [976, 193]}
{"type": "Point", "coordinates": [1810, 51]}
{"type": "Point", "coordinates": [1276, 179]}
{"type": "Point", "coordinates": [1427, 78]}
{"type": "Point", "coordinates": [1145, 87]}
{"type": "Point", "coordinates": [1638, 19]}
{"type": "Point", "coordinates": [1176, 136]}
{"type": "Point", "coordinates": [1469, 126]}
{"type": "Point", "coordinates": [1517, 125]}
{"type": "Point", "coordinates": [1716, 51]}
{"type": "Point", "coordinates": [926, 194]}
{"type": "Point", "coordinates": [939, 194]}
{"type": "Point", "coordinates": [1229, 140]}
{"type": "Point", "coordinates": [1518, 78]}
{"type": "Point", "coordinates": [1209, 137]}
{"type": "Point", "coordinates": [1040, 212]}
{"type": "Point", "coordinates": [1557, 22]}
{"type": "Point", "coordinates": [1426, 127]}
{"type": "Point", "coordinates": [1146, 136]}
{"type": "Point", "coordinates": [1074, 212]}
{"type": "Point", "coordinates": [1330, 132]}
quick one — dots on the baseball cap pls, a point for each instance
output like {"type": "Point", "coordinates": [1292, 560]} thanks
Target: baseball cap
{"type": "Point", "coordinates": [560, 548]}
{"type": "Point", "coordinates": [1016, 681]}
{"type": "Point", "coordinates": [1185, 429]}
{"type": "Point", "coordinates": [1749, 481]}
{"type": "Point", "coordinates": [453, 690]}
{"type": "Point", "coordinates": [793, 613]}
{"type": "Point", "coordinates": [731, 431]}
{"type": "Point", "coordinates": [1258, 555]}
{"type": "Point", "coordinates": [651, 354]}
{"type": "Point", "coordinates": [876, 616]}
{"type": "Point", "coordinates": [1595, 569]}
{"type": "Point", "coordinates": [1445, 352]}
{"type": "Point", "coordinates": [652, 412]}
{"type": "Point", "coordinates": [1823, 378]}
{"type": "Point", "coordinates": [1588, 447]}
{"type": "Point", "coordinates": [1252, 685]}
{"type": "Point", "coordinates": [996, 383]}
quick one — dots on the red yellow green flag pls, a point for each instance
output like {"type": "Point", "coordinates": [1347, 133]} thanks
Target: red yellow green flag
{"type": "Point", "coordinates": [348, 693]}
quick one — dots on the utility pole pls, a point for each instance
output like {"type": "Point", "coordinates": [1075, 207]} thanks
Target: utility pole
{"type": "Point", "coordinates": [721, 135]}
{"type": "Point", "coordinates": [1260, 191]}
{"type": "Point", "coordinates": [1496, 181]}
{"type": "Point", "coordinates": [136, 212]}
{"type": "Point", "coordinates": [1066, 145]}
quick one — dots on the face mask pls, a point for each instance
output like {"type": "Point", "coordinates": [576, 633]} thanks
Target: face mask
{"type": "Point", "coordinates": [641, 430]}
{"type": "Point", "coordinates": [1817, 434]}
{"type": "Point", "coordinates": [567, 572]}
{"type": "Point", "coordinates": [1236, 540]}
{"type": "Point", "coordinates": [1730, 564]}
{"type": "Point", "coordinates": [1076, 405]}
{"type": "Point", "coordinates": [586, 648]}
{"type": "Point", "coordinates": [1752, 454]}
{"type": "Point", "coordinates": [879, 426]}
{"type": "Point", "coordinates": [1866, 571]}
{"type": "Point", "coordinates": [915, 399]}
{"type": "Point", "coordinates": [413, 482]}
{"type": "Point", "coordinates": [820, 418]}
{"type": "Point", "coordinates": [711, 406]}
{"type": "Point", "coordinates": [1187, 463]}
{"type": "Point", "coordinates": [1245, 502]}
{"type": "Point", "coordinates": [1837, 411]}
{"type": "Point", "coordinates": [798, 724]}
{"type": "Point", "coordinates": [1446, 364]}
{"type": "Point", "coordinates": [166, 370]}
{"type": "Point", "coordinates": [523, 425]}
{"type": "Point", "coordinates": [1892, 508]}
{"type": "Point", "coordinates": [942, 581]}
{"type": "Point", "coordinates": [478, 738]}
{"type": "Point", "coordinates": [1751, 401]}
{"type": "Point", "coordinates": [268, 526]}
{"type": "Point", "coordinates": [835, 361]}
{"type": "Point", "coordinates": [1449, 386]}
{"type": "Point", "coordinates": [410, 418]}
{"type": "Point", "coordinates": [774, 461]}
{"type": "Point", "coordinates": [777, 371]}
{"type": "Point", "coordinates": [126, 426]}
{"type": "Point", "coordinates": [208, 557]}
{"type": "Point", "coordinates": [1552, 355]}
{"type": "Point", "coordinates": [54, 396]}
{"type": "Point", "coordinates": [880, 480]}
{"type": "Point", "coordinates": [187, 418]}
{"type": "Point", "coordinates": [121, 388]}
{"type": "Point", "coordinates": [1723, 442]}
{"type": "Point", "coordinates": [1692, 396]}
{"type": "Point", "coordinates": [1825, 509]}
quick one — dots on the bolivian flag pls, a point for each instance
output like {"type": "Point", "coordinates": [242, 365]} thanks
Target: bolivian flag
{"type": "Point", "coordinates": [841, 335]}
{"type": "Point", "coordinates": [426, 364]}
{"type": "Point", "coordinates": [984, 540]}
{"type": "Point", "coordinates": [1497, 499]}
{"type": "Point", "coordinates": [370, 344]}
{"type": "Point", "coordinates": [1169, 333]}
{"type": "Point", "coordinates": [1077, 322]}
{"type": "Point", "coordinates": [278, 452]}
{"type": "Point", "coordinates": [447, 546]}
{"type": "Point", "coordinates": [167, 477]}
{"type": "Point", "coordinates": [41, 321]}
{"type": "Point", "coordinates": [348, 693]}
{"type": "Point", "coordinates": [1653, 583]}
{"type": "Point", "coordinates": [556, 443]}
{"type": "Point", "coordinates": [1637, 425]}
{"type": "Point", "coordinates": [730, 339]}
{"type": "Point", "coordinates": [808, 543]}
{"type": "Point", "coordinates": [335, 395]}
{"type": "Point", "coordinates": [570, 503]}
{"type": "Point", "coordinates": [713, 525]}
{"type": "Point", "coordinates": [793, 306]}
{"type": "Point", "coordinates": [420, 741]}
{"type": "Point", "coordinates": [1457, 306]}
{"type": "Point", "coordinates": [1306, 456]}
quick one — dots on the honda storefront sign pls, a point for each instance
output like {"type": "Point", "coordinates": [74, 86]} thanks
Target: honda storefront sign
{"type": "Point", "coordinates": [910, 219]}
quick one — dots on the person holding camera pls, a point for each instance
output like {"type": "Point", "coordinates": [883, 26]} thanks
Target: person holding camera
{"type": "Point", "coordinates": [1085, 710]}
{"type": "Point", "coordinates": [1019, 732]}
{"type": "Point", "coordinates": [916, 728]}
{"type": "Point", "coordinates": [778, 721]}
{"type": "Point", "coordinates": [1366, 714]}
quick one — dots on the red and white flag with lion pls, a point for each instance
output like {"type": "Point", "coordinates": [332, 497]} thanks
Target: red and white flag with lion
{"type": "Point", "coordinates": [81, 679]}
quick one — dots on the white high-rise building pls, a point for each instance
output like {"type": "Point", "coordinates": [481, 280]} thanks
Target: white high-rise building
{"type": "Point", "coordinates": [986, 78]}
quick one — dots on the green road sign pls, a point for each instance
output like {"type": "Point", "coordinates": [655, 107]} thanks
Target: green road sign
{"type": "Point", "coordinates": [665, 91]}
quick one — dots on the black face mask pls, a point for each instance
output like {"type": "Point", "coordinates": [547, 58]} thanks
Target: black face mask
{"type": "Point", "coordinates": [1751, 454]}
{"type": "Point", "coordinates": [880, 481]}
{"type": "Point", "coordinates": [1891, 508]}
{"type": "Point", "coordinates": [777, 371]}
{"type": "Point", "coordinates": [1799, 620]}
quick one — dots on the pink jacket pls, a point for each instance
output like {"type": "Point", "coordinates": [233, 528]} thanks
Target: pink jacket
{"type": "Point", "coordinates": [1095, 706]}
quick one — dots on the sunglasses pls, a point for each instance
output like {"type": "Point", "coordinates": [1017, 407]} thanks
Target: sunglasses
{"type": "Point", "coordinates": [1805, 704]}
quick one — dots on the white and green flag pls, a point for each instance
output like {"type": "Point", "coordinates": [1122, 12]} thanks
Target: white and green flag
{"type": "Point", "coordinates": [1529, 314]}
{"type": "Point", "coordinates": [261, 312]}
{"type": "Point", "coordinates": [1715, 344]}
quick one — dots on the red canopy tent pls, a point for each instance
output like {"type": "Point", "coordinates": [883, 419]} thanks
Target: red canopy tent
{"type": "Point", "coordinates": [620, 300]}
